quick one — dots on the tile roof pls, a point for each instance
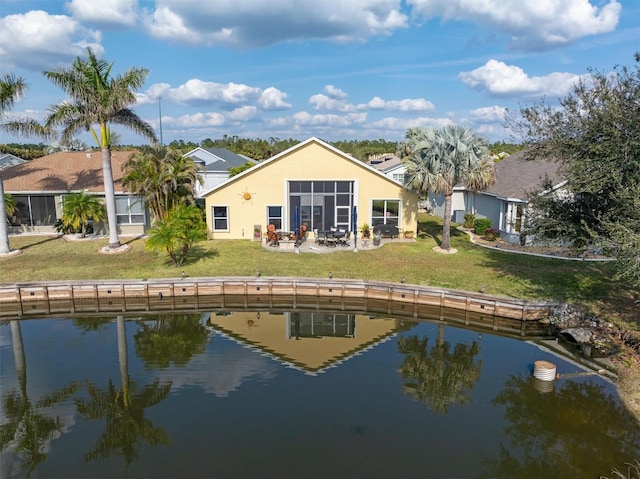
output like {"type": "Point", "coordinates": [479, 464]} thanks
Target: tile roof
{"type": "Point", "coordinates": [517, 177]}
{"type": "Point", "coordinates": [64, 171]}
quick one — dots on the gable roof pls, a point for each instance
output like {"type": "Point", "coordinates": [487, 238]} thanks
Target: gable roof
{"type": "Point", "coordinates": [217, 159]}
{"type": "Point", "coordinates": [7, 160]}
{"type": "Point", "coordinates": [313, 139]}
{"type": "Point", "coordinates": [517, 177]}
{"type": "Point", "coordinates": [63, 172]}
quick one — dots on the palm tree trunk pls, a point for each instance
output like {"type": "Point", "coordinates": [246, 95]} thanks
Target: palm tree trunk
{"type": "Point", "coordinates": [4, 231]}
{"type": "Point", "coordinates": [446, 225]}
{"type": "Point", "coordinates": [110, 198]}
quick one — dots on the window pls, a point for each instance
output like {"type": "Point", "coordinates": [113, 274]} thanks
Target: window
{"type": "Point", "coordinates": [34, 211]}
{"type": "Point", "coordinates": [220, 216]}
{"type": "Point", "coordinates": [129, 210]}
{"type": "Point", "coordinates": [321, 204]}
{"type": "Point", "coordinates": [385, 212]}
{"type": "Point", "coordinates": [398, 177]}
{"type": "Point", "coordinates": [274, 216]}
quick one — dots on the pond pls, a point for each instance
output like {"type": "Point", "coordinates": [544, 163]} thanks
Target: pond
{"type": "Point", "coordinates": [255, 394]}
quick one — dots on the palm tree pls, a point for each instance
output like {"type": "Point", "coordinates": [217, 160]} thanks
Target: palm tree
{"type": "Point", "coordinates": [441, 158]}
{"type": "Point", "coordinates": [11, 88]}
{"type": "Point", "coordinates": [97, 98]}
{"type": "Point", "coordinates": [79, 208]}
{"type": "Point", "coordinates": [163, 177]}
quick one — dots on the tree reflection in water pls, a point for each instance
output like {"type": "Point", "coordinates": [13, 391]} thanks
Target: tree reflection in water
{"type": "Point", "coordinates": [28, 429]}
{"type": "Point", "coordinates": [123, 409]}
{"type": "Point", "coordinates": [171, 338]}
{"type": "Point", "coordinates": [438, 377]}
{"type": "Point", "coordinates": [548, 438]}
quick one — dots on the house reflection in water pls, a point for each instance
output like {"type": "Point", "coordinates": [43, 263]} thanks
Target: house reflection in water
{"type": "Point", "coordinates": [308, 341]}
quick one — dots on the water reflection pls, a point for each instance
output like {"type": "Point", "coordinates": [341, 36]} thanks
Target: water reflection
{"type": "Point", "coordinates": [439, 376]}
{"type": "Point", "coordinates": [295, 394]}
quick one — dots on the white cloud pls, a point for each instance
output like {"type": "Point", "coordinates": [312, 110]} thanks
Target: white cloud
{"type": "Point", "coordinates": [500, 79]}
{"type": "Point", "coordinates": [322, 102]}
{"type": "Point", "coordinates": [245, 24]}
{"type": "Point", "coordinates": [113, 12]}
{"type": "Point", "coordinates": [406, 105]}
{"type": "Point", "coordinates": [336, 93]}
{"type": "Point", "coordinates": [197, 120]}
{"type": "Point", "coordinates": [39, 41]}
{"type": "Point", "coordinates": [489, 114]}
{"type": "Point", "coordinates": [304, 118]}
{"type": "Point", "coordinates": [244, 113]}
{"type": "Point", "coordinates": [273, 99]}
{"type": "Point", "coordinates": [196, 91]}
{"type": "Point", "coordinates": [532, 25]}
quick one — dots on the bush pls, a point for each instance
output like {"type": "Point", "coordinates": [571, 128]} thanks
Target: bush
{"type": "Point", "coordinates": [469, 219]}
{"type": "Point", "coordinates": [481, 224]}
{"type": "Point", "coordinates": [490, 234]}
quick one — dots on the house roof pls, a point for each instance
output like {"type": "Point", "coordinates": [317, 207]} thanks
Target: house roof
{"type": "Point", "coordinates": [386, 163]}
{"type": "Point", "coordinates": [517, 177]}
{"type": "Point", "coordinates": [7, 160]}
{"type": "Point", "coordinates": [64, 171]}
{"type": "Point", "coordinates": [265, 163]}
{"type": "Point", "coordinates": [217, 159]}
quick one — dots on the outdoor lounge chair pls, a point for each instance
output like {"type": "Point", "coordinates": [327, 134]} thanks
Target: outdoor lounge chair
{"type": "Point", "coordinates": [330, 239]}
{"type": "Point", "coordinates": [272, 236]}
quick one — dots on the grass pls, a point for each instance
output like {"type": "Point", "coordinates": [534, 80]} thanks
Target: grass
{"type": "Point", "coordinates": [474, 267]}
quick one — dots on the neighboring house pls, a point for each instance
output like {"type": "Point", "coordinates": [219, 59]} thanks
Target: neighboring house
{"type": "Point", "coordinates": [215, 163]}
{"type": "Point", "coordinates": [506, 203]}
{"type": "Point", "coordinates": [391, 165]}
{"type": "Point", "coordinates": [40, 185]}
{"type": "Point", "coordinates": [7, 160]}
{"type": "Point", "coordinates": [316, 180]}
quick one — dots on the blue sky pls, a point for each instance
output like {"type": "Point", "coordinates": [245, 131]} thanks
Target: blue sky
{"type": "Point", "coordinates": [334, 69]}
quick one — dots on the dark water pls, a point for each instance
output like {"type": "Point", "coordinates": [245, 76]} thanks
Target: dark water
{"type": "Point", "coordinates": [307, 395]}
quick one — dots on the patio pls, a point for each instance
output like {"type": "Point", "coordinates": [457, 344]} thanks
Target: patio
{"type": "Point", "coordinates": [310, 246]}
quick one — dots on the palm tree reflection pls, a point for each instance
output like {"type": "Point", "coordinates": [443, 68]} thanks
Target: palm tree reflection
{"type": "Point", "coordinates": [123, 409]}
{"type": "Point", "coordinates": [28, 429]}
{"type": "Point", "coordinates": [171, 338]}
{"type": "Point", "coordinates": [438, 377]}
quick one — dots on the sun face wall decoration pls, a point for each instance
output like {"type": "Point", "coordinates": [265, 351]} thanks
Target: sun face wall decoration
{"type": "Point", "coordinates": [246, 196]}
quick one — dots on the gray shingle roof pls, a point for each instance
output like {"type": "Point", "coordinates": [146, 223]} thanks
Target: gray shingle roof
{"type": "Point", "coordinates": [517, 177]}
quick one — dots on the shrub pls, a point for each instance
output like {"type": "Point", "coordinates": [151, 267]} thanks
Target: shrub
{"type": "Point", "coordinates": [490, 234]}
{"type": "Point", "coordinates": [481, 224]}
{"type": "Point", "coordinates": [469, 219]}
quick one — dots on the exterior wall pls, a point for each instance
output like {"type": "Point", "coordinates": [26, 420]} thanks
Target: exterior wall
{"type": "Point", "coordinates": [266, 185]}
{"type": "Point", "coordinates": [458, 202]}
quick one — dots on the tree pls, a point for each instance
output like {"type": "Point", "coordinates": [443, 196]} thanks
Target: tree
{"type": "Point", "coordinates": [99, 99]}
{"type": "Point", "coordinates": [233, 171]}
{"type": "Point", "coordinates": [79, 208]}
{"type": "Point", "coordinates": [175, 234]}
{"type": "Point", "coordinates": [11, 88]}
{"type": "Point", "coordinates": [440, 158]}
{"type": "Point", "coordinates": [163, 177]}
{"type": "Point", "coordinates": [594, 136]}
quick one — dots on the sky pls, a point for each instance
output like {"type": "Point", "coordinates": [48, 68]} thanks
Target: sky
{"type": "Point", "coordinates": [333, 69]}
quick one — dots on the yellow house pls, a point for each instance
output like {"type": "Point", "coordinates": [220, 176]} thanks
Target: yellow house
{"type": "Point", "coordinates": [311, 184]}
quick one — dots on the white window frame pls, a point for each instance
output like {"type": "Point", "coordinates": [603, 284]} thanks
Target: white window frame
{"type": "Point", "coordinates": [213, 218]}
{"type": "Point", "coordinates": [131, 201]}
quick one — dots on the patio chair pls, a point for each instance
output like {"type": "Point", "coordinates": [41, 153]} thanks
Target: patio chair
{"type": "Point", "coordinates": [321, 237]}
{"type": "Point", "coordinates": [272, 236]}
{"type": "Point", "coordinates": [330, 239]}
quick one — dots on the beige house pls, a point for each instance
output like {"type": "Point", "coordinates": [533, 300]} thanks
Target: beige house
{"type": "Point", "coordinates": [39, 187]}
{"type": "Point", "coordinates": [311, 184]}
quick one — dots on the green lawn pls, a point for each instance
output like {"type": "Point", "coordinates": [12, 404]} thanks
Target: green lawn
{"type": "Point", "coordinates": [521, 276]}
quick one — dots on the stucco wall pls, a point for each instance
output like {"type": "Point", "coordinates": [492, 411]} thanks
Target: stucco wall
{"type": "Point", "coordinates": [267, 186]}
